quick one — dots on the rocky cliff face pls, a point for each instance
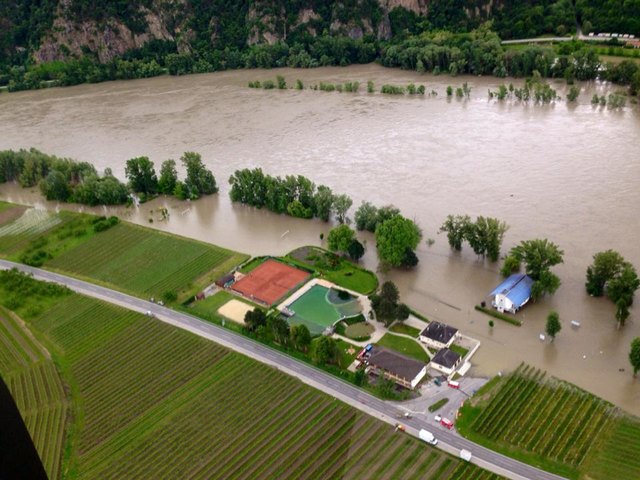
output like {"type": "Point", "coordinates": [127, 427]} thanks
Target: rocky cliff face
{"type": "Point", "coordinates": [266, 22]}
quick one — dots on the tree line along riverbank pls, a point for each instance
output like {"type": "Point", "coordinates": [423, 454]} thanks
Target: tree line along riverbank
{"type": "Point", "coordinates": [478, 52]}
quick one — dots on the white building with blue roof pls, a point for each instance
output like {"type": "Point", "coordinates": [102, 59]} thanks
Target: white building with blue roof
{"type": "Point", "coordinates": [512, 294]}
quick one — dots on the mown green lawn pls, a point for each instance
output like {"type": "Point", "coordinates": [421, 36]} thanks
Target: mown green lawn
{"type": "Point", "coordinates": [406, 346]}
{"type": "Point", "coordinates": [400, 327]}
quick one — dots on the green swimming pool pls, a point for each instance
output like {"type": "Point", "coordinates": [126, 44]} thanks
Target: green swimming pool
{"type": "Point", "coordinates": [316, 310]}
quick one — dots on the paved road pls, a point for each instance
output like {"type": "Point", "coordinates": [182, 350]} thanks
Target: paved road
{"type": "Point", "coordinates": [584, 38]}
{"type": "Point", "coordinates": [355, 397]}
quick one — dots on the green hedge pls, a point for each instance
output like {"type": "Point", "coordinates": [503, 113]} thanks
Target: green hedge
{"type": "Point", "coordinates": [438, 405]}
{"type": "Point", "coordinates": [499, 316]}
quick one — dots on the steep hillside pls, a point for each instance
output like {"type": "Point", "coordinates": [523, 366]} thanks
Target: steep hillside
{"type": "Point", "coordinates": [46, 30]}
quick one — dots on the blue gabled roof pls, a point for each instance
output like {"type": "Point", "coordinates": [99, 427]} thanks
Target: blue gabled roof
{"type": "Point", "coordinates": [516, 288]}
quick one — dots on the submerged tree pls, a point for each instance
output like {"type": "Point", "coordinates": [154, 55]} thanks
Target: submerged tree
{"type": "Point", "coordinates": [168, 177]}
{"type": "Point", "coordinates": [323, 202]}
{"type": "Point", "coordinates": [142, 175]}
{"type": "Point", "coordinates": [199, 178]}
{"type": "Point", "coordinates": [538, 256]}
{"type": "Point", "coordinates": [394, 237]}
{"type": "Point", "coordinates": [340, 238]}
{"type": "Point", "coordinates": [610, 273]}
{"type": "Point", "coordinates": [456, 227]}
{"type": "Point", "coordinates": [341, 205]}
{"type": "Point", "coordinates": [553, 325]}
{"type": "Point", "coordinates": [634, 355]}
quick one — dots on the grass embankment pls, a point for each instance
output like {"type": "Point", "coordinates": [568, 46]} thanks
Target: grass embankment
{"type": "Point", "coordinates": [335, 269]}
{"type": "Point", "coordinates": [127, 257]}
{"type": "Point", "coordinates": [554, 426]}
{"type": "Point", "coordinates": [36, 388]}
{"type": "Point", "coordinates": [399, 327]}
{"type": "Point", "coordinates": [406, 346]}
{"type": "Point", "coordinates": [141, 387]}
{"type": "Point", "coordinates": [500, 316]}
{"type": "Point", "coordinates": [459, 350]}
{"type": "Point", "coordinates": [438, 405]}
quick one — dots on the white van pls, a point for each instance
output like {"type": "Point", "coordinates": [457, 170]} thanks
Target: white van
{"type": "Point", "coordinates": [427, 437]}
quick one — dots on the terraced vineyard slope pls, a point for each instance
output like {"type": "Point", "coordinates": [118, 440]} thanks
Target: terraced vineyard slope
{"type": "Point", "coordinates": [36, 387]}
{"type": "Point", "coordinates": [127, 257]}
{"type": "Point", "coordinates": [153, 401]}
{"type": "Point", "coordinates": [553, 425]}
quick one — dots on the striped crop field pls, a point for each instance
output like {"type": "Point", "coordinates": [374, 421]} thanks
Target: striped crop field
{"type": "Point", "coordinates": [153, 401]}
{"type": "Point", "coordinates": [17, 231]}
{"type": "Point", "coordinates": [553, 425]}
{"type": "Point", "coordinates": [619, 456]}
{"type": "Point", "coordinates": [135, 259]}
{"type": "Point", "coordinates": [37, 389]}
{"type": "Point", "coordinates": [145, 261]}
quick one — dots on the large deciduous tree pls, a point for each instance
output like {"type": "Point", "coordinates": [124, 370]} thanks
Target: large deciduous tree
{"type": "Point", "coordinates": [355, 250]}
{"type": "Point", "coordinates": [55, 186]}
{"type": "Point", "coordinates": [300, 337]}
{"type": "Point", "coordinates": [340, 238]}
{"type": "Point", "coordinates": [606, 265]}
{"type": "Point", "coordinates": [610, 273]}
{"type": "Point", "coordinates": [323, 203]}
{"type": "Point", "coordinates": [168, 177]}
{"type": "Point", "coordinates": [538, 256]}
{"type": "Point", "coordinates": [485, 236]}
{"type": "Point", "coordinates": [341, 205]}
{"type": "Point", "coordinates": [325, 350]}
{"type": "Point", "coordinates": [456, 227]}
{"type": "Point", "coordinates": [255, 318]}
{"type": "Point", "coordinates": [634, 355]}
{"type": "Point", "coordinates": [553, 325]}
{"type": "Point", "coordinates": [394, 236]}
{"type": "Point", "coordinates": [366, 217]}
{"type": "Point", "coordinates": [142, 175]}
{"type": "Point", "coordinates": [385, 304]}
{"type": "Point", "coordinates": [200, 180]}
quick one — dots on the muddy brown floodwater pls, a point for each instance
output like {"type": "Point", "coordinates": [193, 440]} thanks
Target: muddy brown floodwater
{"type": "Point", "coordinates": [568, 173]}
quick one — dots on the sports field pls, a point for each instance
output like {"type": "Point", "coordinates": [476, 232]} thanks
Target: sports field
{"type": "Point", "coordinates": [318, 309]}
{"type": "Point", "coordinates": [554, 425]}
{"type": "Point", "coordinates": [235, 310]}
{"type": "Point", "coordinates": [270, 281]}
{"type": "Point", "coordinates": [153, 401]}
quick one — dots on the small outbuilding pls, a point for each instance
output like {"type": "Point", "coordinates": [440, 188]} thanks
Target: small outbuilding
{"type": "Point", "coordinates": [226, 281]}
{"type": "Point", "coordinates": [438, 335]}
{"type": "Point", "coordinates": [512, 294]}
{"type": "Point", "coordinates": [445, 361]}
{"type": "Point", "coordinates": [404, 371]}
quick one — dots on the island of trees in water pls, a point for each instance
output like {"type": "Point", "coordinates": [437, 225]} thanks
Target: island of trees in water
{"type": "Point", "coordinates": [67, 180]}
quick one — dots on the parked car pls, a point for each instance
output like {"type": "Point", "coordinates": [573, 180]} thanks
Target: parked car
{"type": "Point", "coordinates": [437, 418]}
{"type": "Point", "coordinates": [445, 422]}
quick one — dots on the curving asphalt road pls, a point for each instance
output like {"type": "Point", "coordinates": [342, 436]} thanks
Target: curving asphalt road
{"type": "Point", "coordinates": [314, 377]}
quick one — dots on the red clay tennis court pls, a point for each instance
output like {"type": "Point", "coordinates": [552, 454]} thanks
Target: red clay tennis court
{"type": "Point", "coordinates": [270, 281]}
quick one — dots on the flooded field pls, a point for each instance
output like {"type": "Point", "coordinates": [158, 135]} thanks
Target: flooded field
{"type": "Point", "coordinates": [566, 172]}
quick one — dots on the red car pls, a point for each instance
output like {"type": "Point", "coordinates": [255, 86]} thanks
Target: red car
{"type": "Point", "coordinates": [446, 423]}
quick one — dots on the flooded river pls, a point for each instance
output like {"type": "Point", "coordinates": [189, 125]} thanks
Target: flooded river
{"type": "Point", "coordinates": [568, 173]}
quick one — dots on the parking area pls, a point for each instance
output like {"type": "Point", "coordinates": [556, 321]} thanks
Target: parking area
{"type": "Point", "coordinates": [430, 393]}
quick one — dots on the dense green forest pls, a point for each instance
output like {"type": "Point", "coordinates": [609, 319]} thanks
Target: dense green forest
{"type": "Point", "coordinates": [48, 42]}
